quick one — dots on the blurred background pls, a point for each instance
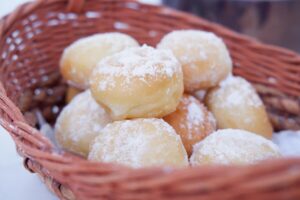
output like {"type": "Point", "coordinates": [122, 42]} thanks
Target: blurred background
{"type": "Point", "coordinates": [272, 21]}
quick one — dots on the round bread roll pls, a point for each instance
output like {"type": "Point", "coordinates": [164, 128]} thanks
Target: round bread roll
{"type": "Point", "coordinates": [139, 143]}
{"type": "Point", "coordinates": [192, 121]}
{"type": "Point", "coordinates": [138, 82]}
{"type": "Point", "coordinates": [235, 104]}
{"type": "Point", "coordinates": [233, 146]}
{"type": "Point", "coordinates": [71, 93]}
{"type": "Point", "coordinates": [204, 57]}
{"type": "Point", "coordinates": [79, 59]}
{"type": "Point", "coordinates": [79, 123]}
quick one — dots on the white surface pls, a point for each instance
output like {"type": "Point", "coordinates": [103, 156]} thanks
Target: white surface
{"type": "Point", "coordinates": [16, 183]}
{"type": "Point", "coordinates": [288, 142]}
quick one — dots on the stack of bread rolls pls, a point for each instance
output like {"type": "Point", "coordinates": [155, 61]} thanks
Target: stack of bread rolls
{"type": "Point", "coordinates": [176, 104]}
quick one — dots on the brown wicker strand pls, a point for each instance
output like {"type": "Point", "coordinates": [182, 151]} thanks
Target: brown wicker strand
{"type": "Point", "coordinates": [32, 39]}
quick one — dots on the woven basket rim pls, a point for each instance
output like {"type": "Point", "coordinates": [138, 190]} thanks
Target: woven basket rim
{"type": "Point", "coordinates": [8, 20]}
{"type": "Point", "coordinates": [26, 8]}
{"type": "Point", "coordinates": [44, 146]}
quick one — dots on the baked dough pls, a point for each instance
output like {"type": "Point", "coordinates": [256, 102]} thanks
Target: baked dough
{"type": "Point", "coordinates": [192, 121]}
{"type": "Point", "coordinates": [204, 57]}
{"type": "Point", "coordinates": [233, 146]}
{"type": "Point", "coordinates": [235, 104]}
{"type": "Point", "coordinates": [79, 123]}
{"type": "Point", "coordinates": [138, 82]}
{"type": "Point", "coordinates": [79, 59]}
{"type": "Point", "coordinates": [139, 143]}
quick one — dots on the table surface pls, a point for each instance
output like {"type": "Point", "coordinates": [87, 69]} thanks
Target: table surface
{"type": "Point", "coordinates": [15, 181]}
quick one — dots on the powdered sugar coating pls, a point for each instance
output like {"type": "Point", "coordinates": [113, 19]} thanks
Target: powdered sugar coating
{"type": "Point", "coordinates": [198, 117]}
{"type": "Point", "coordinates": [79, 123]}
{"type": "Point", "coordinates": [79, 59]}
{"type": "Point", "coordinates": [139, 143]}
{"type": "Point", "coordinates": [144, 63]}
{"type": "Point", "coordinates": [195, 116]}
{"type": "Point", "coordinates": [138, 82]}
{"type": "Point", "coordinates": [203, 55]}
{"type": "Point", "coordinates": [233, 146]}
{"type": "Point", "coordinates": [237, 91]}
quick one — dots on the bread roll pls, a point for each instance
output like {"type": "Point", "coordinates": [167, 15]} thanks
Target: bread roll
{"type": "Point", "coordinates": [139, 82]}
{"type": "Point", "coordinates": [192, 121]}
{"type": "Point", "coordinates": [235, 104]}
{"type": "Point", "coordinates": [139, 143]}
{"type": "Point", "coordinates": [79, 123]}
{"type": "Point", "coordinates": [203, 56]}
{"type": "Point", "coordinates": [233, 146]}
{"type": "Point", "coordinates": [79, 59]}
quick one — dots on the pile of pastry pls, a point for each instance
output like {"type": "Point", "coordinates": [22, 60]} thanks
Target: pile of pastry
{"type": "Point", "coordinates": [176, 104]}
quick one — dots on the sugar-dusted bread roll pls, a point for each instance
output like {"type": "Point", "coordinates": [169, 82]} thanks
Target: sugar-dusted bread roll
{"type": "Point", "coordinates": [204, 57]}
{"type": "Point", "coordinates": [235, 104]}
{"type": "Point", "coordinates": [192, 121]}
{"type": "Point", "coordinates": [79, 59]}
{"type": "Point", "coordinates": [138, 82]}
{"type": "Point", "coordinates": [139, 143]}
{"type": "Point", "coordinates": [233, 146]}
{"type": "Point", "coordinates": [79, 123]}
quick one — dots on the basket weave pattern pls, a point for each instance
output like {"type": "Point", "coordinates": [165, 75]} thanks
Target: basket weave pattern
{"type": "Point", "coordinates": [32, 39]}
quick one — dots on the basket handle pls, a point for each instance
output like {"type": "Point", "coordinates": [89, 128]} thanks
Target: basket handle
{"type": "Point", "coordinates": [75, 5]}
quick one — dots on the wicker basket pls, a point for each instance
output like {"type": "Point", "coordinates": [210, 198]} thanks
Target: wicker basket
{"type": "Point", "coordinates": [31, 41]}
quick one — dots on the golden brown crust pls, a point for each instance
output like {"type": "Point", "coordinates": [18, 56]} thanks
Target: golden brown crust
{"type": "Point", "coordinates": [192, 121]}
